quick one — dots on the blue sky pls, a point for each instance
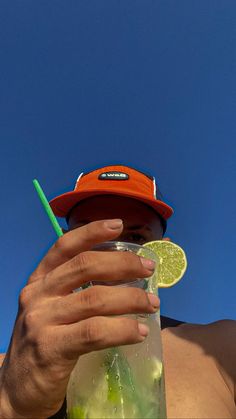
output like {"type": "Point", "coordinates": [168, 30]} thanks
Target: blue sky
{"type": "Point", "coordinates": [148, 84]}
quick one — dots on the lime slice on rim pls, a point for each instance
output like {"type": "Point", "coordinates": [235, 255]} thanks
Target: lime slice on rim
{"type": "Point", "coordinates": [172, 262]}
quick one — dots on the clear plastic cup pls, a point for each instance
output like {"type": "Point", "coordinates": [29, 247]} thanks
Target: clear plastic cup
{"type": "Point", "coordinates": [125, 382]}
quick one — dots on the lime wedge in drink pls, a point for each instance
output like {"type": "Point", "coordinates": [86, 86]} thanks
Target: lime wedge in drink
{"type": "Point", "coordinates": [157, 369]}
{"type": "Point", "coordinates": [77, 412]}
{"type": "Point", "coordinates": [172, 262]}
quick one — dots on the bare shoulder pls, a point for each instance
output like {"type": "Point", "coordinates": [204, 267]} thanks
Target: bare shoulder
{"type": "Point", "coordinates": [222, 342]}
{"type": "Point", "coordinates": [215, 340]}
{"type": "Point", "coordinates": [200, 369]}
{"type": "Point", "coordinates": [223, 329]}
{"type": "Point", "coordinates": [226, 325]}
{"type": "Point", "coordinates": [218, 337]}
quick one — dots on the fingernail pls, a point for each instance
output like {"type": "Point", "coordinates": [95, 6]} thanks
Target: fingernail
{"type": "Point", "coordinates": [143, 329]}
{"type": "Point", "coordinates": [113, 224]}
{"type": "Point", "coordinates": [148, 263]}
{"type": "Point", "coordinates": [154, 300]}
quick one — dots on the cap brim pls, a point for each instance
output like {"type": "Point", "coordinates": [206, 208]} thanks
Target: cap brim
{"type": "Point", "coordinates": [62, 204]}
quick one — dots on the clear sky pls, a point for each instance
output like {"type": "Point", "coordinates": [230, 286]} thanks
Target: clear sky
{"type": "Point", "coordinates": [150, 84]}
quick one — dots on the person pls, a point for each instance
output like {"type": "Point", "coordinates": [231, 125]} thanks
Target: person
{"type": "Point", "coordinates": [55, 325]}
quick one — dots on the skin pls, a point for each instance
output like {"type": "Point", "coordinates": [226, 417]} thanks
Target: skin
{"type": "Point", "coordinates": [55, 326]}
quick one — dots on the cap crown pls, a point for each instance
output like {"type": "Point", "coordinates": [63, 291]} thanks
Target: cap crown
{"type": "Point", "coordinates": [122, 178]}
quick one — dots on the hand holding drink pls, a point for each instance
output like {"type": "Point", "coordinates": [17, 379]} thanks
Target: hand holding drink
{"type": "Point", "coordinates": [55, 326]}
{"type": "Point", "coordinates": [111, 388]}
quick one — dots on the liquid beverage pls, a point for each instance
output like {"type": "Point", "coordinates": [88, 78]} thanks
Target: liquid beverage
{"type": "Point", "coordinates": [125, 382]}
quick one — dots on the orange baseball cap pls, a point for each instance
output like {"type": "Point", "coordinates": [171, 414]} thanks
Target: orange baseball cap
{"type": "Point", "coordinates": [113, 180]}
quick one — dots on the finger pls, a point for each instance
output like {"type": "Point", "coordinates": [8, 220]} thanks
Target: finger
{"type": "Point", "coordinates": [76, 241]}
{"type": "Point", "coordinates": [98, 333]}
{"type": "Point", "coordinates": [96, 266]}
{"type": "Point", "coordinates": [167, 239]}
{"type": "Point", "coordinates": [101, 301]}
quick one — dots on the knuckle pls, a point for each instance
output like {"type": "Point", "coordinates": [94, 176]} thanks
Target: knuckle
{"type": "Point", "coordinates": [92, 299]}
{"type": "Point", "coordinates": [62, 246]}
{"type": "Point", "coordinates": [25, 297]}
{"type": "Point", "coordinates": [82, 261]}
{"type": "Point", "coordinates": [91, 332]}
{"type": "Point", "coordinates": [30, 323]}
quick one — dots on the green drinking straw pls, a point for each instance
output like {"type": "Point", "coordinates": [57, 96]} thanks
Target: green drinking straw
{"type": "Point", "coordinates": [47, 208]}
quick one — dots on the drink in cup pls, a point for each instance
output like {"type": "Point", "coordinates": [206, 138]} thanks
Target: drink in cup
{"type": "Point", "coordinates": [125, 382]}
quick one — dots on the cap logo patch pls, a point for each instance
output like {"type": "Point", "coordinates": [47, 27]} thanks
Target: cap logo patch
{"type": "Point", "coordinates": [113, 176]}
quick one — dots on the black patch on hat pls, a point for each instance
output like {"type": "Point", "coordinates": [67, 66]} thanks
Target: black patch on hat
{"type": "Point", "coordinates": [113, 176]}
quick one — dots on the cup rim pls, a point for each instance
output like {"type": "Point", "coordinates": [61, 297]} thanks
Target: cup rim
{"type": "Point", "coordinates": [122, 245]}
